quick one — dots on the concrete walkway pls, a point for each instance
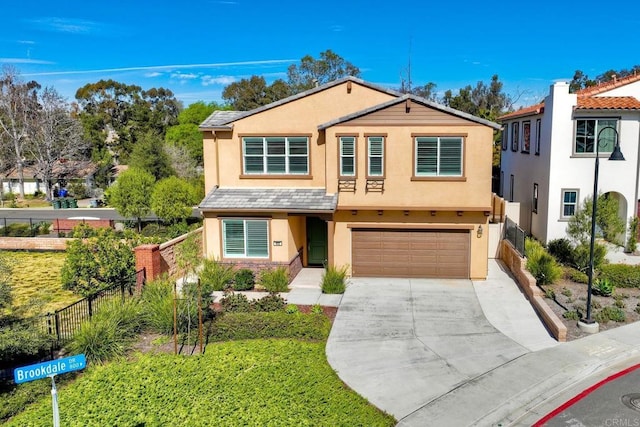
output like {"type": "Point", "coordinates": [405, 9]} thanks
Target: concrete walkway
{"type": "Point", "coordinates": [452, 352]}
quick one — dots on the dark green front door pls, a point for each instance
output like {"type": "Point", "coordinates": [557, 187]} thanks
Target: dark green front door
{"type": "Point", "coordinates": [316, 241]}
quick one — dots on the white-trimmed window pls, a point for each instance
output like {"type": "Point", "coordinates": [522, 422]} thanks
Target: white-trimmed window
{"type": "Point", "coordinates": [505, 136]}
{"type": "Point", "coordinates": [438, 156]}
{"type": "Point", "coordinates": [526, 136]}
{"type": "Point", "coordinates": [587, 131]}
{"type": "Point", "coordinates": [245, 238]}
{"type": "Point", "coordinates": [515, 136]}
{"type": "Point", "coordinates": [276, 155]}
{"type": "Point", "coordinates": [569, 203]}
{"type": "Point", "coordinates": [375, 160]}
{"type": "Point", "coordinates": [538, 135]}
{"type": "Point", "coordinates": [347, 156]}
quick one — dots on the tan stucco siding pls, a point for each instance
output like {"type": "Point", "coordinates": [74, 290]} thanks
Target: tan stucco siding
{"type": "Point", "coordinates": [297, 234]}
{"type": "Point", "coordinates": [401, 188]}
{"type": "Point", "coordinates": [416, 114]}
{"type": "Point", "coordinates": [301, 117]}
{"type": "Point", "coordinates": [345, 221]}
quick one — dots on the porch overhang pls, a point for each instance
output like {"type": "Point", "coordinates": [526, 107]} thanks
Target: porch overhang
{"type": "Point", "coordinates": [263, 200]}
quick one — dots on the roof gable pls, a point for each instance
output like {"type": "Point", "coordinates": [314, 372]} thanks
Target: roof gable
{"type": "Point", "coordinates": [225, 119]}
{"type": "Point", "coordinates": [398, 111]}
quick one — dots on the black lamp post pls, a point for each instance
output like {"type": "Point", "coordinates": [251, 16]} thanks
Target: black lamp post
{"type": "Point", "coordinates": [615, 155]}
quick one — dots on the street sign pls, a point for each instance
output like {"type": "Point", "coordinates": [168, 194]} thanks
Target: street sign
{"type": "Point", "coordinates": [49, 369]}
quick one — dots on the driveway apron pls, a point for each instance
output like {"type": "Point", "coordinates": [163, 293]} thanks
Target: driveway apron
{"type": "Point", "coordinates": [402, 343]}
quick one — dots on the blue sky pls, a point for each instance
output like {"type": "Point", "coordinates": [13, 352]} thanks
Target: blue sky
{"type": "Point", "coordinates": [195, 48]}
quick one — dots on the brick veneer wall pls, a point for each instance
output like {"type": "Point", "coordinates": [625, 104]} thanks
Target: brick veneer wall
{"type": "Point", "coordinates": [527, 284]}
{"type": "Point", "coordinates": [33, 243]}
{"type": "Point", "coordinates": [160, 259]}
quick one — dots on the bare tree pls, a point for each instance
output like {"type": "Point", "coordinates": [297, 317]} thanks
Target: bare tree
{"type": "Point", "coordinates": [18, 106]}
{"type": "Point", "coordinates": [56, 137]}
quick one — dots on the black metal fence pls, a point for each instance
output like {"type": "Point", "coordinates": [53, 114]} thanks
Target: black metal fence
{"type": "Point", "coordinates": [61, 325]}
{"type": "Point", "coordinates": [515, 235]}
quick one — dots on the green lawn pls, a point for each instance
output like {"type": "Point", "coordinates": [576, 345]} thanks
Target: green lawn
{"type": "Point", "coordinates": [36, 281]}
{"type": "Point", "coordinates": [255, 383]}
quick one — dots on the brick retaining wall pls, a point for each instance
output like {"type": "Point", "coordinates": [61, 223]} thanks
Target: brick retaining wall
{"type": "Point", "coordinates": [33, 243]}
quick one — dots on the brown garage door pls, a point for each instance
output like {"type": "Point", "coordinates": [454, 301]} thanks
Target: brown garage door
{"type": "Point", "coordinates": [410, 253]}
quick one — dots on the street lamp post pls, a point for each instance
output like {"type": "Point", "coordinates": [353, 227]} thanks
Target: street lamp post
{"type": "Point", "coordinates": [588, 324]}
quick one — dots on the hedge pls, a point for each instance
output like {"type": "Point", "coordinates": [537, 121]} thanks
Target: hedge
{"type": "Point", "coordinates": [621, 275]}
{"type": "Point", "coordinates": [241, 326]}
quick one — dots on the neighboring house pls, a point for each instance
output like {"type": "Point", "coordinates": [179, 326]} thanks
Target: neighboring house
{"type": "Point", "coordinates": [63, 172]}
{"type": "Point", "coordinates": [350, 174]}
{"type": "Point", "coordinates": [548, 154]}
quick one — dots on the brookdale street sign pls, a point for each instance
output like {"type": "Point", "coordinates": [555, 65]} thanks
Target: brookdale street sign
{"type": "Point", "coordinates": [48, 369]}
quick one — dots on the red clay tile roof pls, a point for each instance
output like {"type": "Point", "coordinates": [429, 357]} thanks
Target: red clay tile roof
{"type": "Point", "coordinates": [603, 87]}
{"type": "Point", "coordinates": [526, 111]}
{"type": "Point", "coordinates": [608, 103]}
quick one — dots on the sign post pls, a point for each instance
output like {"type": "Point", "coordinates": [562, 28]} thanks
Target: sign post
{"type": "Point", "coordinates": [50, 369]}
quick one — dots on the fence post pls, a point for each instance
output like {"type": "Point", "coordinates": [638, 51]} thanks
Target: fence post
{"type": "Point", "coordinates": [31, 230]}
{"type": "Point", "coordinates": [89, 299]}
{"type": "Point", "coordinates": [57, 317]}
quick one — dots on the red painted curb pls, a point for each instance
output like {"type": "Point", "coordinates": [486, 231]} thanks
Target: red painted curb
{"type": "Point", "coordinates": [582, 395]}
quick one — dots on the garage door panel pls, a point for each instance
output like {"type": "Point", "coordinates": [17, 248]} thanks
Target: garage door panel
{"type": "Point", "coordinates": [410, 253]}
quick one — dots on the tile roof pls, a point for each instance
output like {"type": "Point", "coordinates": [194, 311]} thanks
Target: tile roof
{"type": "Point", "coordinates": [269, 200]}
{"type": "Point", "coordinates": [606, 86]}
{"type": "Point", "coordinates": [608, 103]}
{"type": "Point", "coordinates": [224, 121]}
{"type": "Point", "coordinates": [412, 98]}
{"type": "Point", "coordinates": [526, 111]}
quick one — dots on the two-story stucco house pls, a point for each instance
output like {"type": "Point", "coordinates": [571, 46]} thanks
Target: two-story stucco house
{"type": "Point", "coordinates": [548, 153]}
{"type": "Point", "coordinates": [350, 174]}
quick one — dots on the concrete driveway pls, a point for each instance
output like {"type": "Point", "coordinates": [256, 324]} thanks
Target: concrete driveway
{"type": "Point", "coordinates": [402, 343]}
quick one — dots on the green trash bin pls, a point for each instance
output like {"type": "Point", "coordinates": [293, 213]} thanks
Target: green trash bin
{"type": "Point", "coordinates": [56, 203]}
{"type": "Point", "coordinates": [64, 203]}
{"type": "Point", "coordinates": [73, 203]}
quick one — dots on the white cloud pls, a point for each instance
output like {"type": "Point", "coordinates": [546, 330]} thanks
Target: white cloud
{"type": "Point", "coordinates": [26, 42]}
{"type": "Point", "coordinates": [183, 76]}
{"type": "Point", "coordinates": [24, 61]}
{"type": "Point", "coordinates": [65, 25]}
{"type": "Point", "coordinates": [153, 74]}
{"type": "Point", "coordinates": [168, 67]}
{"type": "Point", "coordinates": [218, 80]}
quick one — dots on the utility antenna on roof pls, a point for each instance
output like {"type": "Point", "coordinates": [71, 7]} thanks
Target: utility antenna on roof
{"type": "Point", "coordinates": [405, 84]}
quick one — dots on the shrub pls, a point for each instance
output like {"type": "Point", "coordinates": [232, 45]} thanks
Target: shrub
{"type": "Point", "coordinates": [621, 275]}
{"type": "Point", "coordinates": [614, 314]}
{"type": "Point", "coordinates": [571, 315]}
{"type": "Point", "coordinates": [562, 250]}
{"type": "Point", "coordinates": [603, 287]}
{"type": "Point", "coordinates": [279, 324]}
{"type": "Point", "coordinates": [21, 343]}
{"type": "Point", "coordinates": [78, 190]}
{"type": "Point", "coordinates": [542, 266]}
{"type": "Point", "coordinates": [275, 280]}
{"type": "Point", "coordinates": [108, 334]}
{"type": "Point", "coordinates": [272, 302]}
{"type": "Point", "coordinates": [244, 279]}
{"type": "Point", "coordinates": [632, 241]}
{"type": "Point", "coordinates": [215, 276]}
{"type": "Point", "coordinates": [157, 298]}
{"type": "Point", "coordinates": [549, 293]}
{"type": "Point", "coordinates": [317, 309]}
{"type": "Point", "coordinates": [576, 275]}
{"type": "Point", "coordinates": [581, 256]}
{"type": "Point", "coordinates": [235, 303]}
{"type": "Point", "coordinates": [334, 280]}
{"type": "Point", "coordinates": [292, 309]}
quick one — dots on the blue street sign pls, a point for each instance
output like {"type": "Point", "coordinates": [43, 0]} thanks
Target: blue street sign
{"type": "Point", "coordinates": [48, 369]}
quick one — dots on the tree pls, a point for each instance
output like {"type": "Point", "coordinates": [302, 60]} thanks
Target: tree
{"type": "Point", "coordinates": [129, 195]}
{"type": "Point", "coordinates": [149, 155]}
{"type": "Point", "coordinates": [18, 107]}
{"type": "Point", "coordinates": [173, 199]}
{"type": "Point", "coordinates": [311, 72]}
{"type": "Point", "coordinates": [56, 137]}
{"type": "Point", "coordinates": [182, 162]}
{"type": "Point", "coordinates": [582, 81]}
{"type": "Point", "coordinates": [253, 92]}
{"type": "Point", "coordinates": [608, 224]}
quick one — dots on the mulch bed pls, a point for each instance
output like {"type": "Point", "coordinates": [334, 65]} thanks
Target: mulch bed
{"type": "Point", "coordinates": [569, 296]}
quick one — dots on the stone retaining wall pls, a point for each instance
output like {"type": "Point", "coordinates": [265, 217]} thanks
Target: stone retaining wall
{"type": "Point", "coordinates": [527, 284]}
{"type": "Point", "coordinates": [33, 244]}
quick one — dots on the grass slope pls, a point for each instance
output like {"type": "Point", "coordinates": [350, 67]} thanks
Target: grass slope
{"type": "Point", "coordinates": [258, 382]}
{"type": "Point", "coordinates": [36, 281]}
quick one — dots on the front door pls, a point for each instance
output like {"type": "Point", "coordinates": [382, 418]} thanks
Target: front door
{"type": "Point", "coordinates": [316, 241]}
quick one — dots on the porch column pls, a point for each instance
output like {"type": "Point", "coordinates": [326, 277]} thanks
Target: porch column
{"type": "Point", "coordinates": [331, 228]}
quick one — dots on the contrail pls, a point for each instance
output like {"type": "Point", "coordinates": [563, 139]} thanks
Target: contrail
{"type": "Point", "coordinates": [164, 67]}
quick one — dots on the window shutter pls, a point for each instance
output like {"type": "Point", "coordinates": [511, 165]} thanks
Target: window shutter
{"type": "Point", "coordinates": [257, 239]}
{"type": "Point", "coordinates": [347, 156]}
{"type": "Point", "coordinates": [450, 156]}
{"type": "Point", "coordinates": [233, 234]}
{"type": "Point", "coordinates": [376, 156]}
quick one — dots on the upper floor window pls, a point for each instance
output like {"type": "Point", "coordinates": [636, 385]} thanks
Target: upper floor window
{"type": "Point", "coordinates": [587, 131]}
{"type": "Point", "coordinates": [375, 156]}
{"type": "Point", "coordinates": [515, 136]}
{"type": "Point", "coordinates": [347, 156]}
{"type": "Point", "coordinates": [438, 156]}
{"type": "Point", "coordinates": [276, 155]}
{"type": "Point", "coordinates": [526, 136]}
{"type": "Point", "coordinates": [505, 136]}
{"type": "Point", "coordinates": [538, 135]}
{"type": "Point", "coordinates": [245, 238]}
